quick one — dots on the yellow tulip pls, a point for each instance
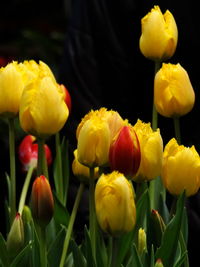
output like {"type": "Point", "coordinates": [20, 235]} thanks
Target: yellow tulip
{"type": "Point", "coordinates": [43, 111]}
{"type": "Point", "coordinates": [81, 171]}
{"type": "Point", "coordinates": [181, 169]}
{"type": "Point", "coordinates": [12, 83]}
{"type": "Point", "coordinates": [151, 148]}
{"type": "Point", "coordinates": [115, 205]}
{"type": "Point", "coordinates": [114, 120]}
{"type": "Point", "coordinates": [159, 36]}
{"type": "Point", "coordinates": [93, 142]}
{"type": "Point", "coordinates": [173, 92]}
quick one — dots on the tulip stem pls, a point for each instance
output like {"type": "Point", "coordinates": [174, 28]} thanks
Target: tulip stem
{"type": "Point", "coordinates": [25, 189]}
{"type": "Point", "coordinates": [92, 215]}
{"type": "Point", "coordinates": [60, 171]}
{"type": "Point", "coordinates": [154, 112]}
{"type": "Point", "coordinates": [42, 163]}
{"type": "Point", "coordinates": [12, 169]}
{"type": "Point", "coordinates": [43, 250]}
{"type": "Point", "coordinates": [71, 224]}
{"type": "Point", "coordinates": [177, 129]}
{"type": "Point", "coordinates": [114, 263]}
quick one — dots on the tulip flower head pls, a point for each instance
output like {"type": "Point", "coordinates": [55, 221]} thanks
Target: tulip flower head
{"type": "Point", "coordinates": [181, 169]}
{"type": "Point", "coordinates": [12, 83]}
{"type": "Point", "coordinates": [81, 171]}
{"type": "Point", "coordinates": [173, 92]}
{"type": "Point", "coordinates": [28, 153]}
{"type": "Point", "coordinates": [42, 201]}
{"type": "Point", "coordinates": [15, 239]}
{"type": "Point", "coordinates": [67, 97]}
{"type": "Point", "coordinates": [124, 155]}
{"type": "Point", "coordinates": [93, 142]}
{"type": "Point", "coordinates": [151, 147]}
{"type": "Point", "coordinates": [43, 111]}
{"type": "Point", "coordinates": [115, 205]}
{"type": "Point", "coordinates": [159, 36]}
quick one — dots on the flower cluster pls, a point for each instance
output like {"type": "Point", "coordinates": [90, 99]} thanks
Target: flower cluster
{"type": "Point", "coordinates": [127, 167]}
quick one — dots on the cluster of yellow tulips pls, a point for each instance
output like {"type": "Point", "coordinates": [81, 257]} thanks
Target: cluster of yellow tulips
{"type": "Point", "coordinates": [128, 167]}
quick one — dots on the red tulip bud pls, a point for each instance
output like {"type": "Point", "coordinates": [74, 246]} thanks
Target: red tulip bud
{"type": "Point", "coordinates": [28, 152]}
{"type": "Point", "coordinates": [67, 97]}
{"type": "Point", "coordinates": [124, 155]}
{"type": "Point", "coordinates": [42, 201]}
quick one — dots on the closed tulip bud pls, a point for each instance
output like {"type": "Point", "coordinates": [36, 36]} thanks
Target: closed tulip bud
{"type": "Point", "coordinates": [173, 93]}
{"type": "Point", "coordinates": [124, 155]}
{"type": "Point", "coordinates": [181, 169]}
{"type": "Point", "coordinates": [159, 263]}
{"type": "Point", "coordinates": [115, 205]}
{"type": "Point", "coordinates": [151, 147]}
{"type": "Point", "coordinates": [43, 111]}
{"type": "Point", "coordinates": [28, 153]}
{"type": "Point", "coordinates": [42, 201]}
{"type": "Point", "coordinates": [15, 239]}
{"type": "Point", "coordinates": [142, 242]}
{"type": "Point", "coordinates": [81, 171]}
{"type": "Point", "coordinates": [26, 215]}
{"type": "Point", "coordinates": [159, 36]}
{"type": "Point", "coordinates": [11, 87]}
{"type": "Point", "coordinates": [67, 97]}
{"type": "Point", "coordinates": [93, 143]}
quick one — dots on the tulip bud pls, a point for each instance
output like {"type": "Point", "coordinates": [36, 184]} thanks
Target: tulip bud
{"type": "Point", "coordinates": [67, 97]}
{"type": "Point", "coordinates": [151, 147]}
{"type": "Point", "coordinates": [115, 204]}
{"type": "Point", "coordinates": [159, 263]}
{"type": "Point", "coordinates": [93, 143]}
{"type": "Point", "coordinates": [142, 243]}
{"type": "Point", "coordinates": [42, 201]}
{"type": "Point", "coordinates": [124, 155]}
{"type": "Point", "coordinates": [28, 153]}
{"type": "Point", "coordinates": [81, 171]}
{"type": "Point", "coordinates": [181, 169]}
{"type": "Point", "coordinates": [26, 214]}
{"type": "Point", "coordinates": [15, 240]}
{"type": "Point", "coordinates": [159, 36]}
{"type": "Point", "coordinates": [173, 92]}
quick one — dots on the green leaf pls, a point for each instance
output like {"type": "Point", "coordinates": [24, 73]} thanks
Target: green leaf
{"type": "Point", "coordinates": [21, 258]}
{"type": "Point", "coordinates": [87, 250]}
{"type": "Point", "coordinates": [55, 250]}
{"type": "Point", "coordinates": [101, 257]}
{"type": "Point", "coordinates": [168, 248]}
{"type": "Point", "coordinates": [61, 215]}
{"type": "Point", "coordinates": [135, 258]}
{"type": "Point", "coordinates": [79, 259]}
{"type": "Point", "coordinates": [3, 249]}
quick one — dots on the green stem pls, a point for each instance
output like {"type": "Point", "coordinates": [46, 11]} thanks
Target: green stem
{"type": "Point", "coordinates": [43, 249]}
{"type": "Point", "coordinates": [71, 224]}
{"type": "Point", "coordinates": [92, 215]}
{"type": "Point", "coordinates": [42, 163]}
{"type": "Point", "coordinates": [12, 169]}
{"type": "Point", "coordinates": [154, 111]}
{"type": "Point", "coordinates": [25, 189]}
{"type": "Point", "coordinates": [177, 129]}
{"type": "Point", "coordinates": [114, 263]}
{"type": "Point", "coordinates": [60, 172]}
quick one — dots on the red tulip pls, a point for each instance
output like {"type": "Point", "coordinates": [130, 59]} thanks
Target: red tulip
{"type": "Point", "coordinates": [42, 201]}
{"type": "Point", "coordinates": [124, 155]}
{"type": "Point", "coordinates": [28, 152]}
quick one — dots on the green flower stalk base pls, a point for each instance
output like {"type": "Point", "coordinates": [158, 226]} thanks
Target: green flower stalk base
{"type": "Point", "coordinates": [12, 170]}
{"type": "Point", "coordinates": [71, 224]}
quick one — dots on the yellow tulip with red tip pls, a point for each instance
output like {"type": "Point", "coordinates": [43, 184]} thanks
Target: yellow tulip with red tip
{"type": "Point", "coordinates": [159, 36]}
{"type": "Point", "coordinates": [124, 154]}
